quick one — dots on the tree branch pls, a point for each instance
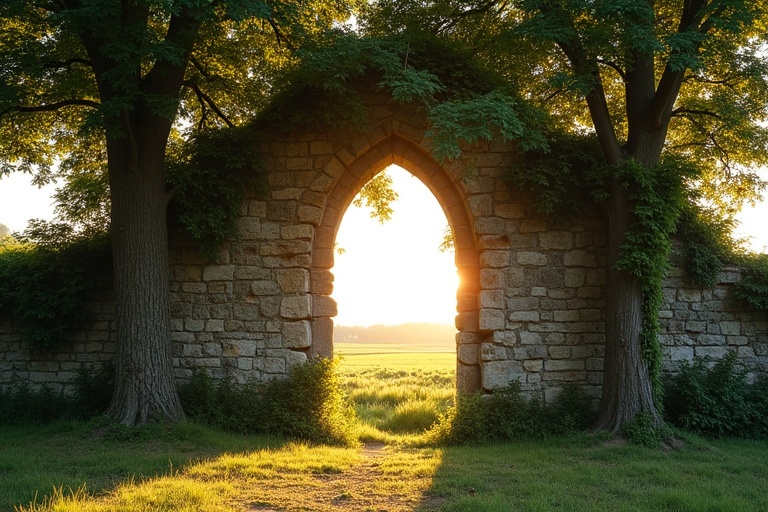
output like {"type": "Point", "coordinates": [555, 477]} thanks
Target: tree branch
{"type": "Point", "coordinates": [614, 67]}
{"type": "Point", "coordinates": [50, 107]}
{"type": "Point", "coordinates": [672, 78]}
{"type": "Point", "coordinates": [206, 100]}
{"type": "Point", "coordinates": [67, 63]}
{"type": "Point", "coordinates": [688, 111]}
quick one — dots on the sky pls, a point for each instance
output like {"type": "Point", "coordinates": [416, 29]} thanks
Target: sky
{"type": "Point", "coordinates": [389, 274]}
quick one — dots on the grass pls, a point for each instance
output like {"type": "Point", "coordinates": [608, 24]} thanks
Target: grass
{"type": "Point", "coordinates": [188, 467]}
{"type": "Point", "coordinates": [397, 395]}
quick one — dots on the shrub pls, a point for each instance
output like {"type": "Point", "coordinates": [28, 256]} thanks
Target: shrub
{"type": "Point", "coordinates": [505, 415]}
{"type": "Point", "coordinates": [715, 400]}
{"type": "Point", "coordinates": [20, 404]}
{"type": "Point", "coordinates": [47, 281]}
{"type": "Point", "coordinates": [309, 405]}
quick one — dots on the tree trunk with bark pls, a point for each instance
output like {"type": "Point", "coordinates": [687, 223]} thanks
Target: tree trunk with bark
{"type": "Point", "coordinates": [627, 389]}
{"type": "Point", "coordinates": [145, 388]}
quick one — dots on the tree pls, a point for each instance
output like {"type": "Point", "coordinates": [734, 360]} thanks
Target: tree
{"type": "Point", "coordinates": [4, 230]}
{"type": "Point", "coordinates": [649, 81]}
{"type": "Point", "coordinates": [99, 84]}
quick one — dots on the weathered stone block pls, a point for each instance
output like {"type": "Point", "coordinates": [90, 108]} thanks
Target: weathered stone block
{"type": "Point", "coordinates": [296, 307]}
{"type": "Point", "coordinates": [219, 273]}
{"type": "Point", "coordinates": [497, 374]}
{"type": "Point", "coordinates": [491, 319]}
{"type": "Point", "coordinates": [295, 280]}
{"type": "Point", "coordinates": [531, 258]}
{"type": "Point", "coordinates": [297, 334]}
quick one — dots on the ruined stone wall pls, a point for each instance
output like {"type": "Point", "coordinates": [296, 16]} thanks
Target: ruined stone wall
{"type": "Point", "coordinates": [530, 304]}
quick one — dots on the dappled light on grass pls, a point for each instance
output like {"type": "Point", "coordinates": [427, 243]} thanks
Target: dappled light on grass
{"type": "Point", "coordinates": [294, 477]}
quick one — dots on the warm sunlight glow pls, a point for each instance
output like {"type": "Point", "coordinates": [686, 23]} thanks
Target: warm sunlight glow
{"type": "Point", "coordinates": [394, 273]}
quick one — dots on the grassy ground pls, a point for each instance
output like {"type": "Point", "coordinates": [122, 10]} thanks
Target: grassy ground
{"type": "Point", "coordinates": [190, 468]}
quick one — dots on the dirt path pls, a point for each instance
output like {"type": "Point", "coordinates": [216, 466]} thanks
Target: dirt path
{"type": "Point", "coordinates": [385, 480]}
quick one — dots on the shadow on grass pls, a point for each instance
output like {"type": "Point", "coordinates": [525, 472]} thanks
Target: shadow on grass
{"type": "Point", "coordinates": [583, 473]}
{"type": "Point", "coordinates": [35, 459]}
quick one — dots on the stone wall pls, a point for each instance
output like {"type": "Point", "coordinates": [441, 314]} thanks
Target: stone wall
{"type": "Point", "coordinates": [530, 304]}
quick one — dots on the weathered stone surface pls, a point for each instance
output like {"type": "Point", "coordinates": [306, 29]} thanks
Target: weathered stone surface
{"type": "Point", "coordinates": [295, 307]}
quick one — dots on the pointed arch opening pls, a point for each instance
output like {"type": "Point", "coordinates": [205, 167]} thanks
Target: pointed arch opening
{"type": "Point", "coordinates": [351, 179]}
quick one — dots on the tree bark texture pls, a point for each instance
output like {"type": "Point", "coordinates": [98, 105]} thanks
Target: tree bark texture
{"type": "Point", "coordinates": [145, 388]}
{"type": "Point", "coordinates": [627, 389]}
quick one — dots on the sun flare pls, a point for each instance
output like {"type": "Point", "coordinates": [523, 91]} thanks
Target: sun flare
{"type": "Point", "coordinates": [394, 273]}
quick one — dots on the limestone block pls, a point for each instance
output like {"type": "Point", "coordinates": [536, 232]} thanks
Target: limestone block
{"type": "Point", "coordinates": [559, 352]}
{"type": "Point", "coordinates": [567, 315]}
{"type": "Point", "coordinates": [498, 374]}
{"type": "Point", "coordinates": [524, 316]}
{"type": "Point", "coordinates": [212, 349]}
{"type": "Point", "coordinates": [294, 358]}
{"type": "Point", "coordinates": [297, 232]}
{"type": "Point", "coordinates": [530, 352]}
{"type": "Point", "coordinates": [284, 248]}
{"type": "Point", "coordinates": [297, 306]}
{"type": "Point", "coordinates": [575, 277]}
{"type": "Point", "coordinates": [712, 352]}
{"type": "Point", "coordinates": [491, 352]}
{"type": "Point", "coordinates": [468, 378]}
{"type": "Point", "coordinates": [492, 278]}
{"type": "Point", "coordinates": [563, 365]}
{"type": "Point", "coordinates": [309, 214]}
{"type": "Point", "coordinates": [510, 210]}
{"type": "Point", "coordinates": [579, 258]}
{"type": "Point", "coordinates": [555, 240]}
{"type": "Point", "coordinates": [214, 325]}
{"type": "Point", "coordinates": [531, 258]}
{"type": "Point", "coordinates": [295, 280]}
{"type": "Point", "coordinates": [523, 303]}
{"type": "Point", "coordinates": [730, 328]}
{"type": "Point", "coordinates": [297, 334]}
{"type": "Point", "coordinates": [324, 306]}
{"type": "Point", "coordinates": [219, 273]}
{"type": "Point", "coordinates": [507, 338]}
{"type": "Point", "coordinates": [681, 353]}
{"type": "Point", "coordinates": [693, 326]}
{"type": "Point", "coordinates": [529, 338]}
{"type": "Point", "coordinates": [193, 325]}
{"type": "Point", "coordinates": [492, 299]}
{"type": "Point", "coordinates": [481, 205]}
{"type": "Point", "coordinates": [467, 321]}
{"type": "Point", "coordinates": [249, 227]}
{"type": "Point", "coordinates": [495, 259]}
{"type": "Point", "coordinates": [244, 363]}
{"type": "Point", "coordinates": [194, 287]}
{"type": "Point", "coordinates": [467, 354]}
{"type": "Point", "coordinates": [684, 295]}
{"type": "Point", "coordinates": [533, 365]}
{"type": "Point", "coordinates": [491, 319]}
{"type": "Point", "coordinates": [246, 311]}
{"type": "Point", "coordinates": [489, 226]}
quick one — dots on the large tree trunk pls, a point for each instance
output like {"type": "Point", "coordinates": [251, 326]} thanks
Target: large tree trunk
{"type": "Point", "coordinates": [145, 388]}
{"type": "Point", "coordinates": [627, 389]}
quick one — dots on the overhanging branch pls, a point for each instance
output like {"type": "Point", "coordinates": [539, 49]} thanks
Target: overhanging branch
{"type": "Point", "coordinates": [50, 107]}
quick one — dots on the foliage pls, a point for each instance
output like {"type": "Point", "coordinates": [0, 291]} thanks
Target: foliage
{"type": "Point", "coordinates": [506, 415]}
{"type": "Point", "coordinates": [716, 400]}
{"type": "Point", "coordinates": [377, 195]}
{"type": "Point", "coordinates": [658, 197]}
{"type": "Point", "coordinates": [643, 432]}
{"type": "Point", "coordinates": [208, 178]}
{"type": "Point", "coordinates": [20, 404]}
{"type": "Point", "coordinates": [753, 286]}
{"type": "Point", "coordinates": [48, 277]}
{"type": "Point", "coordinates": [309, 405]}
{"type": "Point", "coordinates": [567, 178]}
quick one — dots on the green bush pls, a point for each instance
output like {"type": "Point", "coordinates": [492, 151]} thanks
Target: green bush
{"type": "Point", "coordinates": [506, 415]}
{"type": "Point", "coordinates": [20, 404]}
{"type": "Point", "coordinates": [715, 400]}
{"type": "Point", "coordinates": [47, 280]}
{"type": "Point", "coordinates": [309, 405]}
